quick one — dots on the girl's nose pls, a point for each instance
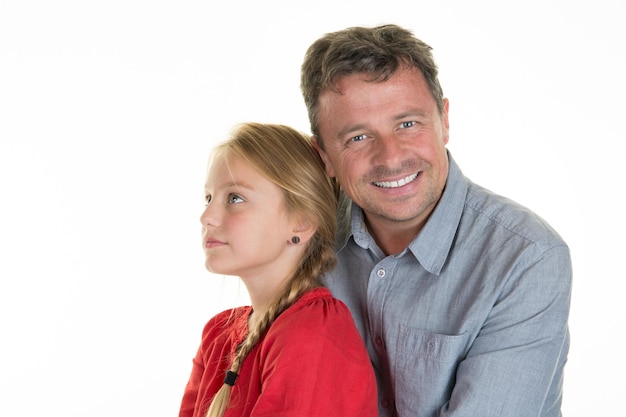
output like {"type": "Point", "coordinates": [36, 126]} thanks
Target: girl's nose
{"type": "Point", "coordinates": [209, 216]}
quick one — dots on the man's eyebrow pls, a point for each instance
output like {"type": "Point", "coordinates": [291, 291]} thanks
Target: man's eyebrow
{"type": "Point", "coordinates": [412, 113]}
{"type": "Point", "coordinates": [362, 126]}
{"type": "Point", "coordinates": [350, 129]}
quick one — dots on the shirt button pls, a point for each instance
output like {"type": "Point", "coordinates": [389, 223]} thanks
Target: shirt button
{"type": "Point", "coordinates": [378, 341]}
{"type": "Point", "coordinates": [381, 273]}
{"type": "Point", "coordinates": [384, 403]}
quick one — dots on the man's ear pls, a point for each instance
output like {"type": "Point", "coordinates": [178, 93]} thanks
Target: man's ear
{"type": "Point", "coordinates": [319, 148]}
{"type": "Point", "coordinates": [445, 122]}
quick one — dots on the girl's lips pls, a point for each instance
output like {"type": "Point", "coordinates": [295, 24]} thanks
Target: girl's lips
{"type": "Point", "coordinates": [212, 243]}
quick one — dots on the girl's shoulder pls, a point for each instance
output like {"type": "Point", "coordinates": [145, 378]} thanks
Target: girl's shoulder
{"type": "Point", "coordinates": [232, 318]}
{"type": "Point", "coordinates": [315, 309]}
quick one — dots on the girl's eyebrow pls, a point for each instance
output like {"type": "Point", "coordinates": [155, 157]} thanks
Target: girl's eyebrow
{"type": "Point", "coordinates": [242, 184]}
{"type": "Point", "coordinates": [236, 184]}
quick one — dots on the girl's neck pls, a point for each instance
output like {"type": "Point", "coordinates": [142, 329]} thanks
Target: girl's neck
{"type": "Point", "coordinates": [253, 318]}
{"type": "Point", "coordinates": [262, 298]}
{"type": "Point", "coordinates": [263, 291]}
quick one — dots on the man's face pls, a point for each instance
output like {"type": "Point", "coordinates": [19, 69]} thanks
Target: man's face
{"type": "Point", "coordinates": [385, 144]}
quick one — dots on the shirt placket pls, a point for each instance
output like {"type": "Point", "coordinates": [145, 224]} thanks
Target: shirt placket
{"type": "Point", "coordinates": [377, 294]}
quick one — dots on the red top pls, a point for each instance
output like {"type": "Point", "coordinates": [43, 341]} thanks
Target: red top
{"type": "Point", "coordinates": [312, 362]}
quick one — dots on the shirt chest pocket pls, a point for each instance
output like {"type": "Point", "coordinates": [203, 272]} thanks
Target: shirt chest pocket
{"type": "Point", "coordinates": [424, 366]}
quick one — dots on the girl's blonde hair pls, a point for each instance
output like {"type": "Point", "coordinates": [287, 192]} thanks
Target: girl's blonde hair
{"type": "Point", "coordinates": [287, 158]}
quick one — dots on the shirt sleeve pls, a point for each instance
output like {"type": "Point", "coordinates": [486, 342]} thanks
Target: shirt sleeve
{"type": "Point", "coordinates": [515, 365]}
{"type": "Point", "coordinates": [315, 364]}
{"type": "Point", "coordinates": [219, 337]}
{"type": "Point", "coordinates": [188, 403]}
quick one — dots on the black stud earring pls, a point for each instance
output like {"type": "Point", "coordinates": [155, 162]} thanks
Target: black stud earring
{"type": "Point", "coordinates": [295, 240]}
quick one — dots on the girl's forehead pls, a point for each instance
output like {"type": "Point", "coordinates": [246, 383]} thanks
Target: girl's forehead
{"type": "Point", "coordinates": [224, 165]}
{"type": "Point", "coordinates": [227, 171]}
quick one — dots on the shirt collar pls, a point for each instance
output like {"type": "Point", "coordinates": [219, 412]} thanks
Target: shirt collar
{"type": "Point", "coordinates": [434, 242]}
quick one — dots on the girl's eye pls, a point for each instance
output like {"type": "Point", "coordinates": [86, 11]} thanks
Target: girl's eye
{"type": "Point", "coordinates": [404, 125]}
{"type": "Point", "coordinates": [207, 199]}
{"type": "Point", "coordinates": [234, 199]}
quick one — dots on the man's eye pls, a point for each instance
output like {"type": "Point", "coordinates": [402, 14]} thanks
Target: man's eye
{"type": "Point", "coordinates": [234, 199]}
{"type": "Point", "coordinates": [357, 138]}
{"type": "Point", "coordinates": [404, 125]}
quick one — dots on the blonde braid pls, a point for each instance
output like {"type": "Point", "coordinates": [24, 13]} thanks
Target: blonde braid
{"type": "Point", "coordinates": [288, 159]}
{"type": "Point", "coordinates": [297, 286]}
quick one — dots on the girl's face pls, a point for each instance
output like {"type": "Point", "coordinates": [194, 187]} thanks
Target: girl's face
{"type": "Point", "coordinates": [246, 229]}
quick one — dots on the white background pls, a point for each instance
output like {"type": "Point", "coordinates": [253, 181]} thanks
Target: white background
{"type": "Point", "coordinates": [108, 111]}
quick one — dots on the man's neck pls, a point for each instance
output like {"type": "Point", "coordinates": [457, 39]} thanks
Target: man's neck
{"type": "Point", "coordinates": [393, 237]}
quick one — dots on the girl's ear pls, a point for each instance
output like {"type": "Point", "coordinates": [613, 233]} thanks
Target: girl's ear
{"type": "Point", "coordinates": [304, 229]}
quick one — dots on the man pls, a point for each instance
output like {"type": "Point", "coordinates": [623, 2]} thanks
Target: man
{"type": "Point", "coordinates": [462, 296]}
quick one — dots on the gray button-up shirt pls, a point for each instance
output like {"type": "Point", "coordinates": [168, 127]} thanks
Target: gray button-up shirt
{"type": "Point", "coordinates": [471, 318]}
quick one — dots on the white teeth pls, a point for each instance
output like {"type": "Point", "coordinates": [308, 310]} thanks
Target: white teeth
{"type": "Point", "coordinates": [395, 184]}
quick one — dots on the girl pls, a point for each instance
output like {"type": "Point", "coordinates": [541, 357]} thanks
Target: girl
{"type": "Point", "coordinates": [270, 220]}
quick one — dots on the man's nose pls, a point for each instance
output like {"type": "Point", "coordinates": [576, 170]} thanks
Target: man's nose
{"type": "Point", "coordinates": [388, 150]}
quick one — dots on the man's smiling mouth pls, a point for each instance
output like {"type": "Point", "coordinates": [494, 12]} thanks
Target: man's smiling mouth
{"type": "Point", "coordinates": [396, 184]}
